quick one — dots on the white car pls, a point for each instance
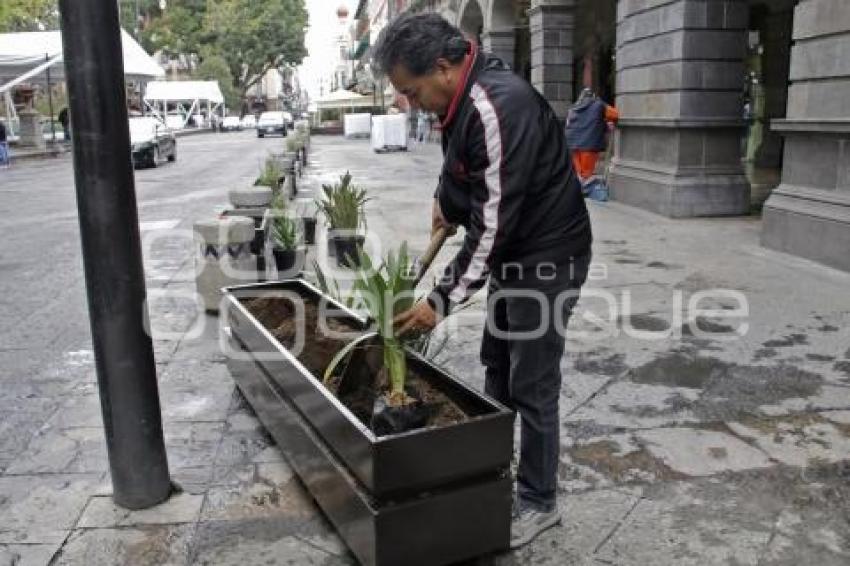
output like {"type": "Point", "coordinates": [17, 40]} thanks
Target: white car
{"type": "Point", "coordinates": [249, 121]}
{"type": "Point", "coordinates": [231, 124]}
{"type": "Point", "coordinates": [271, 123]}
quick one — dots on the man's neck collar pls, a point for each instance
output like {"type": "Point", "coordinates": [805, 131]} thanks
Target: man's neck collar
{"type": "Point", "coordinates": [468, 63]}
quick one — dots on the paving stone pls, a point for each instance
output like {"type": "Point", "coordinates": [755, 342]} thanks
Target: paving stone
{"type": "Point", "coordinates": [701, 452]}
{"type": "Point", "coordinates": [63, 451]}
{"type": "Point", "coordinates": [166, 545]}
{"type": "Point", "coordinates": [631, 405]}
{"type": "Point", "coordinates": [273, 491]}
{"type": "Point", "coordinates": [188, 374]}
{"type": "Point", "coordinates": [192, 444]}
{"type": "Point", "coordinates": [838, 417]}
{"type": "Point", "coordinates": [670, 530]}
{"type": "Point", "coordinates": [42, 509]}
{"type": "Point", "coordinates": [27, 554]}
{"type": "Point", "coordinates": [195, 404]}
{"type": "Point", "coordinates": [102, 512]}
{"type": "Point", "coordinates": [799, 441]}
{"type": "Point", "coordinates": [828, 397]}
{"type": "Point", "coordinates": [244, 439]}
{"type": "Point", "coordinates": [79, 411]}
{"type": "Point", "coordinates": [268, 541]}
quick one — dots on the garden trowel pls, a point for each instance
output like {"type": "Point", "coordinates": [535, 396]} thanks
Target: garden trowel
{"type": "Point", "coordinates": [348, 382]}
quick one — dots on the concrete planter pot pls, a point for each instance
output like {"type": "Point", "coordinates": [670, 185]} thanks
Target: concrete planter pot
{"type": "Point", "coordinates": [258, 243]}
{"type": "Point", "coordinates": [252, 197]}
{"type": "Point", "coordinates": [430, 496]}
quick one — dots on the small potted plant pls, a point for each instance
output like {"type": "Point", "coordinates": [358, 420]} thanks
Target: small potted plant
{"type": "Point", "coordinates": [288, 257]}
{"type": "Point", "coordinates": [344, 208]}
{"type": "Point", "coordinates": [271, 175]}
{"type": "Point", "coordinates": [386, 290]}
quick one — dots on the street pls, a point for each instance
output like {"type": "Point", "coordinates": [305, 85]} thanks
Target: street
{"type": "Point", "coordinates": [705, 408]}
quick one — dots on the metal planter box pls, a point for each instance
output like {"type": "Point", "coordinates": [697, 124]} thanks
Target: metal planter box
{"type": "Point", "coordinates": [430, 496]}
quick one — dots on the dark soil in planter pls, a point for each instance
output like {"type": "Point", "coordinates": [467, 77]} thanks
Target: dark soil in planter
{"type": "Point", "coordinates": [278, 314]}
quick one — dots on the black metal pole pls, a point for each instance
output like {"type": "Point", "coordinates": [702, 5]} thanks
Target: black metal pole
{"type": "Point", "coordinates": [50, 102]}
{"type": "Point", "coordinates": [112, 257]}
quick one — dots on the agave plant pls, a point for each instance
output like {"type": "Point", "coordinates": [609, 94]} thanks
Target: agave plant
{"type": "Point", "coordinates": [270, 174]}
{"type": "Point", "coordinates": [385, 292]}
{"type": "Point", "coordinates": [285, 233]}
{"type": "Point", "coordinates": [343, 205]}
{"type": "Point", "coordinates": [293, 144]}
{"type": "Point", "coordinates": [330, 287]}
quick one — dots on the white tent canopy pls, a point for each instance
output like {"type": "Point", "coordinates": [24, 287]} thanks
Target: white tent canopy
{"type": "Point", "coordinates": [195, 93]}
{"type": "Point", "coordinates": [184, 90]}
{"type": "Point", "coordinates": [344, 99]}
{"type": "Point", "coordinates": [36, 56]}
{"type": "Point", "coordinates": [31, 53]}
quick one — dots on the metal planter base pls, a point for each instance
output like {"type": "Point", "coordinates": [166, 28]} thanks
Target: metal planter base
{"type": "Point", "coordinates": [431, 496]}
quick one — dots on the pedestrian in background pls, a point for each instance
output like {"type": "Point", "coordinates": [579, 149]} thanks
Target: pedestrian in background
{"type": "Point", "coordinates": [423, 124]}
{"type": "Point", "coordinates": [4, 147]}
{"type": "Point", "coordinates": [586, 129]}
{"type": "Point", "coordinates": [65, 121]}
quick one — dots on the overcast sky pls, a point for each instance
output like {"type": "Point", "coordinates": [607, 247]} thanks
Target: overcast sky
{"type": "Point", "coordinates": [324, 26]}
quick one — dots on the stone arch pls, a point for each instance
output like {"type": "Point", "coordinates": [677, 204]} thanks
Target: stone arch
{"type": "Point", "coordinates": [471, 18]}
{"type": "Point", "coordinates": [501, 15]}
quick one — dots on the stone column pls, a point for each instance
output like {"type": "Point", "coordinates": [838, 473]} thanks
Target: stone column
{"type": "Point", "coordinates": [809, 213]}
{"type": "Point", "coordinates": [31, 133]}
{"type": "Point", "coordinates": [552, 23]}
{"type": "Point", "coordinates": [500, 43]}
{"type": "Point", "coordinates": [680, 72]}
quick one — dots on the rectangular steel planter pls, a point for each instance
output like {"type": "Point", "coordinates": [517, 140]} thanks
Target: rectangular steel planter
{"type": "Point", "coordinates": [429, 496]}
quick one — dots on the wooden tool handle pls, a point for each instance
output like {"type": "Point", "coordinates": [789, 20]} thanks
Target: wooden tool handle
{"type": "Point", "coordinates": [434, 248]}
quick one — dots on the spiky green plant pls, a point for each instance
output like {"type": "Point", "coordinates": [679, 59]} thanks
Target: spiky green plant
{"type": "Point", "coordinates": [285, 233]}
{"type": "Point", "coordinates": [329, 286]}
{"type": "Point", "coordinates": [386, 291]}
{"type": "Point", "coordinates": [293, 143]}
{"type": "Point", "coordinates": [343, 204]}
{"type": "Point", "coordinates": [270, 174]}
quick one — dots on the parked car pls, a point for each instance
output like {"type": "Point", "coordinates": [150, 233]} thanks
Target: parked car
{"type": "Point", "coordinates": [151, 141]}
{"type": "Point", "coordinates": [249, 121]}
{"type": "Point", "coordinates": [230, 124]}
{"type": "Point", "coordinates": [271, 123]}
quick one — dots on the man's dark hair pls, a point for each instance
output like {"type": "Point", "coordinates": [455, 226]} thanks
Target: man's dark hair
{"type": "Point", "coordinates": [416, 41]}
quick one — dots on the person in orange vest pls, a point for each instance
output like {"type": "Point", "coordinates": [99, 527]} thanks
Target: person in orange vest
{"type": "Point", "coordinates": [586, 128]}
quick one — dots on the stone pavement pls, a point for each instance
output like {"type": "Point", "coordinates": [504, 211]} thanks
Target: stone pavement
{"type": "Point", "coordinates": [713, 436]}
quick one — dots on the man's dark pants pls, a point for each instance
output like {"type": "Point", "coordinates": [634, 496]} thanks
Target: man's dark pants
{"type": "Point", "coordinates": [525, 373]}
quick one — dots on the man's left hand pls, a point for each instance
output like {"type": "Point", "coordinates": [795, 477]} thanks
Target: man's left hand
{"type": "Point", "coordinates": [418, 320]}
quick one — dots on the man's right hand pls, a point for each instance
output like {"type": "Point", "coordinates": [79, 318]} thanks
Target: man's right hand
{"type": "Point", "coordinates": [439, 221]}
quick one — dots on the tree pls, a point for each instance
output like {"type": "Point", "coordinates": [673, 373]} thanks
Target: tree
{"type": "Point", "coordinates": [214, 68]}
{"type": "Point", "coordinates": [28, 15]}
{"type": "Point", "coordinates": [178, 30]}
{"type": "Point", "coordinates": [255, 37]}
{"type": "Point", "coordinates": [135, 14]}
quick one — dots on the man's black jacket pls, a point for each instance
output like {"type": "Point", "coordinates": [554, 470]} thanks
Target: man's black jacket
{"type": "Point", "coordinates": [508, 179]}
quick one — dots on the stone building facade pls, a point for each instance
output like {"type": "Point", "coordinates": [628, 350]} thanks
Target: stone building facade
{"type": "Point", "coordinates": [691, 78]}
